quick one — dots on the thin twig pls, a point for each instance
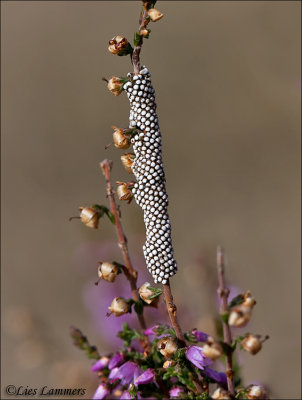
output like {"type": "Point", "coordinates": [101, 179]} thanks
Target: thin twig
{"type": "Point", "coordinates": [223, 292]}
{"type": "Point", "coordinates": [129, 272]}
{"type": "Point", "coordinates": [172, 310]}
{"type": "Point", "coordinates": [135, 56]}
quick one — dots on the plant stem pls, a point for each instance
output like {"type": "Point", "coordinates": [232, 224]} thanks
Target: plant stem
{"type": "Point", "coordinates": [172, 310]}
{"type": "Point", "coordinates": [135, 57]}
{"type": "Point", "coordinates": [223, 292]}
{"type": "Point", "coordinates": [129, 272]}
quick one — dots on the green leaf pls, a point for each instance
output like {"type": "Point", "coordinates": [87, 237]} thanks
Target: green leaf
{"type": "Point", "coordinates": [128, 334]}
{"type": "Point", "coordinates": [225, 317]}
{"type": "Point", "coordinates": [236, 301]}
{"type": "Point", "coordinates": [110, 216]}
{"type": "Point", "coordinates": [137, 39]}
{"type": "Point", "coordinates": [127, 50]}
{"type": "Point", "coordinates": [138, 307]}
{"type": "Point", "coordinates": [156, 292]}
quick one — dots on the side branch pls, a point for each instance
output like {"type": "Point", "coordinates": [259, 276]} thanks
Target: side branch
{"type": "Point", "coordinates": [129, 272]}
{"type": "Point", "coordinates": [223, 292]}
{"type": "Point", "coordinates": [135, 57]}
{"type": "Point", "coordinates": [172, 310]}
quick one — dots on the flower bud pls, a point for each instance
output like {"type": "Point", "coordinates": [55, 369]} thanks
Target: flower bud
{"type": "Point", "coordinates": [155, 15]}
{"type": "Point", "coordinates": [256, 392]}
{"type": "Point", "coordinates": [248, 301]}
{"type": "Point", "coordinates": [127, 161]}
{"type": "Point", "coordinates": [252, 344]}
{"type": "Point", "coordinates": [212, 350]}
{"type": "Point", "coordinates": [167, 347]}
{"type": "Point", "coordinates": [168, 364]}
{"type": "Point", "coordinates": [144, 32]}
{"type": "Point", "coordinates": [115, 85]}
{"type": "Point", "coordinates": [123, 192]}
{"type": "Point", "coordinates": [118, 44]}
{"type": "Point", "coordinates": [107, 271]}
{"type": "Point", "coordinates": [119, 306]}
{"type": "Point", "coordinates": [121, 140]}
{"type": "Point", "coordinates": [89, 216]}
{"type": "Point", "coordinates": [220, 394]}
{"type": "Point", "coordinates": [240, 316]}
{"type": "Point", "coordinates": [145, 292]}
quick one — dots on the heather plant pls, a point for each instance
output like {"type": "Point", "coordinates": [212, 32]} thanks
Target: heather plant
{"type": "Point", "coordinates": [159, 361]}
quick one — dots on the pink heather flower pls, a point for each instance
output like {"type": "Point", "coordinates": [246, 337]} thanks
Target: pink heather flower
{"type": "Point", "coordinates": [100, 364]}
{"type": "Point", "coordinates": [175, 392]}
{"type": "Point", "coordinates": [146, 377]}
{"type": "Point", "coordinates": [126, 396]}
{"type": "Point", "coordinates": [116, 361]}
{"type": "Point", "coordinates": [101, 392]}
{"type": "Point", "coordinates": [196, 356]}
{"type": "Point", "coordinates": [200, 336]}
{"type": "Point", "coordinates": [151, 331]}
{"type": "Point", "coordinates": [127, 373]}
{"type": "Point", "coordinates": [219, 377]}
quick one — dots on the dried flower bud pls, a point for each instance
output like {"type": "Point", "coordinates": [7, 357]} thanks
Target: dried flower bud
{"type": "Point", "coordinates": [144, 32]}
{"type": "Point", "coordinates": [120, 139]}
{"type": "Point", "coordinates": [145, 292]}
{"type": "Point", "coordinates": [167, 347]}
{"type": "Point", "coordinates": [127, 161]}
{"type": "Point", "coordinates": [256, 392]}
{"type": "Point", "coordinates": [168, 364]}
{"type": "Point", "coordinates": [220, 394]}
{"type": "Point", "coordinates": [212, 350]}
{"type": "Point", "coordinates": [89, 216]}
{"type": "Point", "coordinates": [252, 344]}
{"type": "Point", "coordinates": [119, 306]}
{"type": "Point", "coordinates": [107, 271]}
{"type": "Point", "coordinates": [118, 44]}
{"type": "Point", "coordinates": [115, 85]}
{"type": "Point", "coordinates": [240, 316]}
{"type": "Point", "coordinates": [248, 301]}
{"type": "Point", "coordinates": [155, 15]}
{"type": "Point", "coordinates": [123, 192]}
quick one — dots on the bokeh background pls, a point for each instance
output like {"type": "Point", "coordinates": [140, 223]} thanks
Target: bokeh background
{"type": "Point", "coordinates": [227, 76]}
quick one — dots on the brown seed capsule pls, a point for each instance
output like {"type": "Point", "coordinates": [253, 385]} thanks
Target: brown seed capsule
{"type": "Point", "coordinates": [144, 32]}
{"type": "Point", "coordinates": [119, 306]}
{"type": "Point", "coordinates": [117, 44]}
{"type": "Point", "coordinates": [252, 344]}
{"type": "Point", "coordinates": [248, 301]}
{"type": "Point", "coordinates": [221, 394]}
{"type": "Point", "coordinates": [127, 161]}
{"type": "Point", "coordinates": [115, 85]}
{"type": "Point", "coordinates": [212, 350]}
{"type": "Point", "coordinates": [89, 216]}
{"type": "Point", "coordinates": [155, 15]}
{"type": "Point", "coordinates": [120, 139]}
{"type": "Point", "coordinates": [240, 316]}
{"type": "Point", "coordinates": [107, 271]}
{"type": "Point", "coordinates": [123, 192]}
{"type": "Point", "coordinates": [167, 347]}
{"type": "Point", "coordinates": [145, 292]}
{"type": "Point", "coordinates": [256, 392]}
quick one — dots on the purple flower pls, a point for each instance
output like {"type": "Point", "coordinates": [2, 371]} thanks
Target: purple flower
{"type": "Point", "coordinates": [127, 373]}
{"type": "Point", "coordinates": [219, 377]}
{"type": "Point", "coordinates": [113, 373]}
{"type": "Point", "coordinates": [150, 331]}
{"type": "Point", "coordinates": [200, 336]}
{"type": "Point", "coordinates": [100, 364]}
{"type": "Point", "coordinates": [101, 392]}
{"type": "Point", "coordinates": [146, 377]}
{"type": "Point", "coordinates": [116, 361]}
{"type": "Point", "coordinates": [126, 396]}
{"type": "Point", "coordinates": [175, 392]}
{"type": "Point", "coordinates": [196, 356]}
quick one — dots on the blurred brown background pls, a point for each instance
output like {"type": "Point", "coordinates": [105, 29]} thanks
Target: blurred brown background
{"type": "Point", "coordinates": [227, 76]}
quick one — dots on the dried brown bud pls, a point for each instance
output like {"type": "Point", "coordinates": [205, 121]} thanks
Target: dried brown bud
{"type": "Point", "coordinates": [123, 192]}
{"type": "Point", "coordinates": [145, 292]}
{"type": "Point", "coordinates": [155, 15]}
{"type": "Point", "coordinates": [120, 139]}
{"type": "Point", "coordinates": [168, 364]}
{"type": "Point", "coordinates": [240, 316]}
{"type": "Point", "coordinates": [119, 306]}
{"type": "Point", "coordinates": [221, 394]}
{"type": "Point", "coordinates": [252, 344]}
{"type": "Point", "coordinates": [115, 85]}
{"type": "Point", "coordinates": [212, 350]}
{"type": "Point", "coordinates": [89, 216]}
{"type": "Point", "coordinates": [107, 271]}
{"type": "Point", "coordinates": [256, 392]}
{"type": "Point", "coordinates": [127, 161]}
{"type": "Point", "coordinates": [167, 347]}
{"type": "Point", "coordinates": [144, 32]}
{"type": "Point", "coordinates": [117, 44]}
{"type": "Point", "coordinates": [248, 301]}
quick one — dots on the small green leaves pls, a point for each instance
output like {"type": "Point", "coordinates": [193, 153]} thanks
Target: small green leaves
{"type": "Point", "coordinates": [137, 39]}
{"type": "Point", "coordinates": [156, 292]}
{"type": "Point", "coordinates": [128, 334]}
{"type": "Point", "coordinates": [102, 210]}
{"type": "Point", "coordinates": [80, 341]}
{"type": "Point", "coordinates": [225, 317]}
